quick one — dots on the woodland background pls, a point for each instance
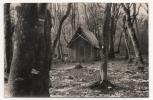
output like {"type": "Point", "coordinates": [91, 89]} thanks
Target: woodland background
{"type": "Point", "coordinates": [37, 60]}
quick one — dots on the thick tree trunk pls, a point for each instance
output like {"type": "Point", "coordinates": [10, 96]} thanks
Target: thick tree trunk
{"type": "Point", "coordinates": [29, 74]}
{"type": "Point", "coordinates": [43, 57]}
{"type": "Point", "coordinates": [23, 53]}
{"type": "Point", "coordinates": [48, 25]}
{"type": "Point", "coordinates": [106, 31]}
{"type": "Point", "coordinates": [8, 38]}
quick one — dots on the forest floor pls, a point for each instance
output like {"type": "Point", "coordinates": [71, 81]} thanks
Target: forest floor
{"type": "Point", "coordinates": [70, 82]}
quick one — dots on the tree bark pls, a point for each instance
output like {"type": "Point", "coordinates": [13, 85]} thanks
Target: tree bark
{"type": "Point", "coordinates": [8, 32]}
{"type": "Point", "coordinates": [23, 52]}
{"type": "Point", "coordinates": [29, 74]}
{"type": "Point", "coordinates": [40, 81]}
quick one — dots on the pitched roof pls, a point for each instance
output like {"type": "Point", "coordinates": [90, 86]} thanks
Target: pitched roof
{"type": "Point", "coordinates": [86, 35]}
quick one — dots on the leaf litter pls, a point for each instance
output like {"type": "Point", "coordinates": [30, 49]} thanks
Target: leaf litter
{"type": "Point", "coordinates": [67, 81]}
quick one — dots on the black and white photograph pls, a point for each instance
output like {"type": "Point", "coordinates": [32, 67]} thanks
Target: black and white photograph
{"type": "Point", "coordinates": [76, 50]}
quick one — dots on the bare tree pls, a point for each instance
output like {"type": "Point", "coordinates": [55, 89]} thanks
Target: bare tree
{"type": "Point", "coordinates": [115, 13]}
{"type": "Point", "coordinates": [132, 34]}
{"type": "Point", "coordinates": [60, 26]}
{"type": "Point", "coordinates": [106, 31]}
{"type": "Point", "coordinates": [124, 29]}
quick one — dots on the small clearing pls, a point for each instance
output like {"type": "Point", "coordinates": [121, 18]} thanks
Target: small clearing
{"type": "Point", "coordinates": [70, 82]}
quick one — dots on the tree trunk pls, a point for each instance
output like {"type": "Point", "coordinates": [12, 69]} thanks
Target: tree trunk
{"type": "Point", "coordinates": [29, 74]}
{"type": "Point", "coordinates": [132, 34]}
{"type": "Point", "coordinates": [128, 55]}
{"type": "Point", "coordinates": [118, 49]}
{"type": "Point", "coordinates": [112, 33]}
{"type": "Point", "coordinates": [8, 38]}
{"type": "Point", "coordinates": [23, 52]}
{"type": "Point", "coordinates": [126, 44]}
{"type": "Point", "coordinates": [106, 31]}
{"type": "Point", "coordinates": [135, 43]}
{"type": "Point", "coordinates": [48, 26]}
{"type": "Point", "coordinates": [40, 87]}
{"type": "Point", "coordinates": [60, 51]}
{"type": "Point", "coordinates": [114, 18]}
{"type": "Point", "coordinates": [78, 18]}
{"type": "Point", "coordinates": [64, 35]}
